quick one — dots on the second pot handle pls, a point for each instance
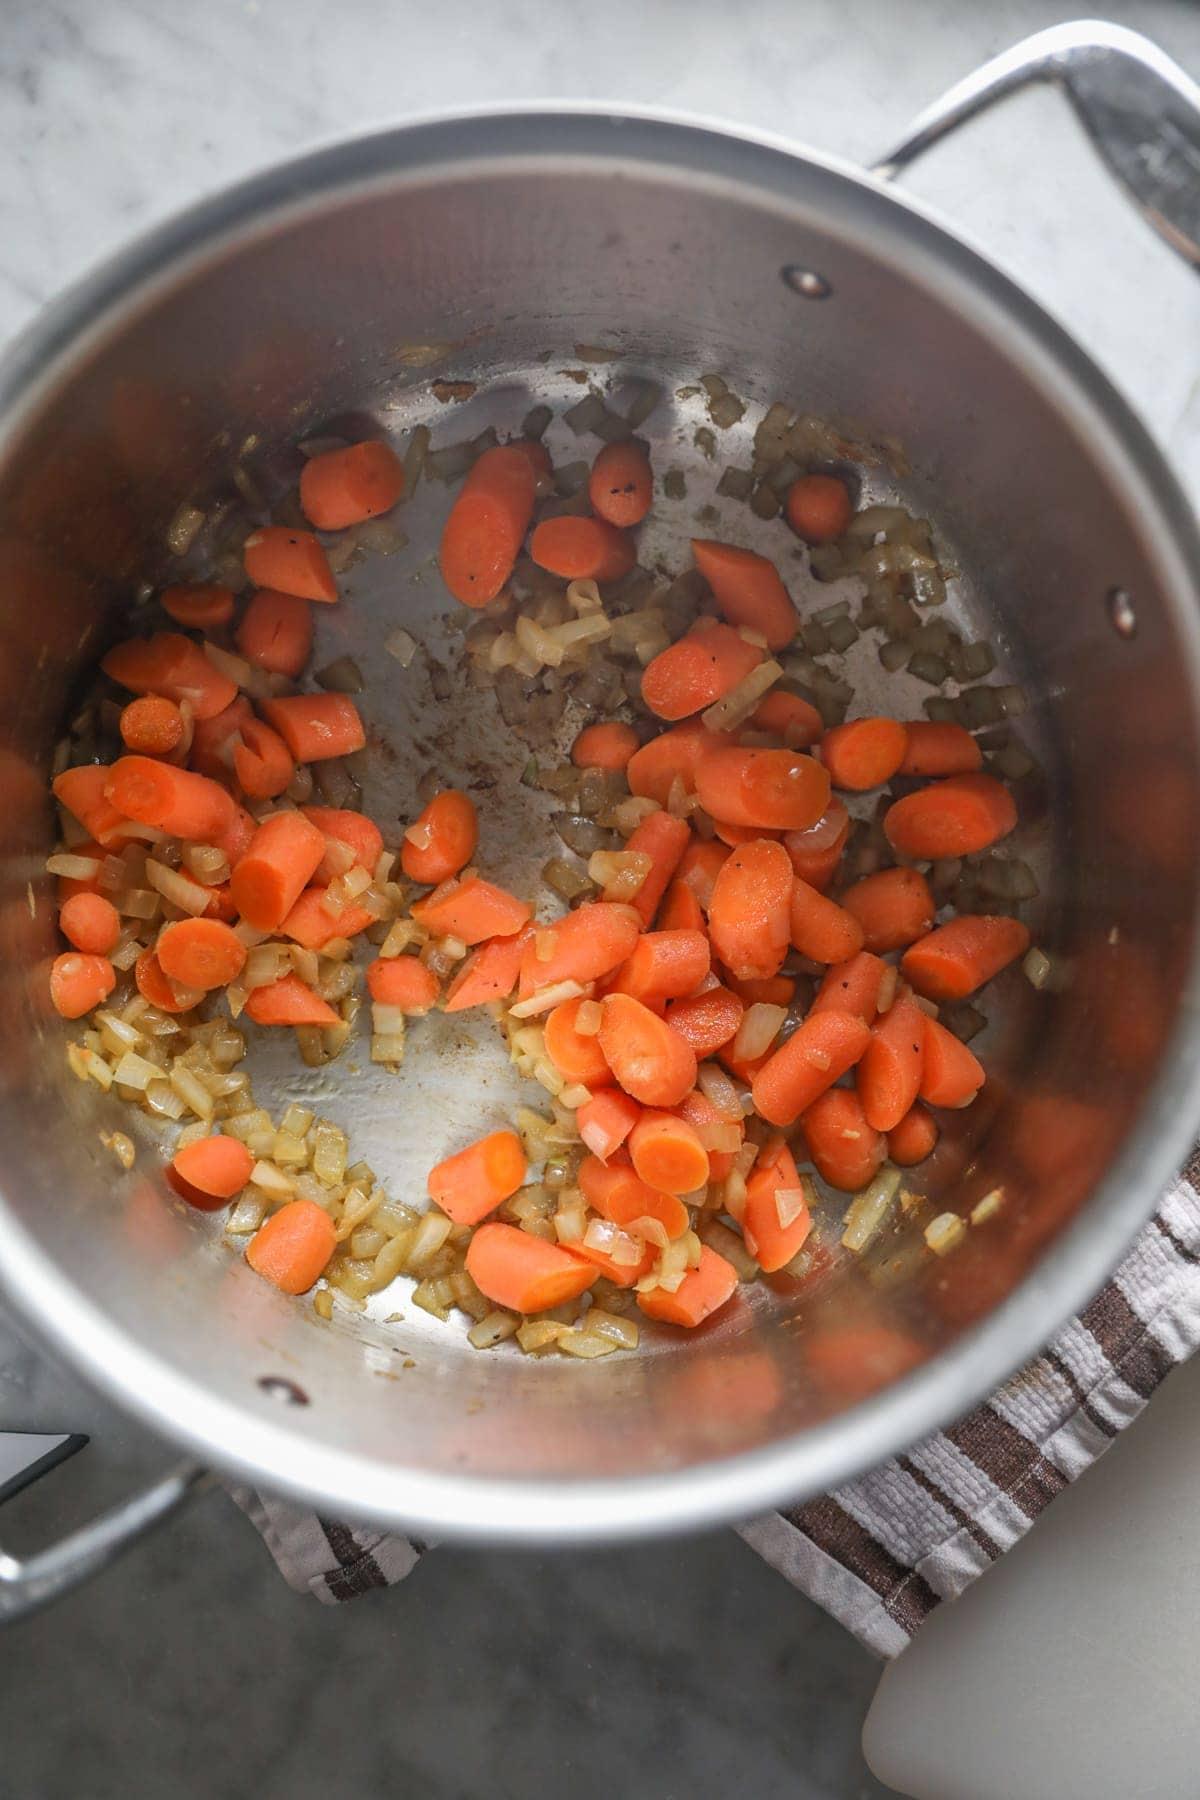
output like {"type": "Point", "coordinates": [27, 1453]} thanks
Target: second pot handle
{"type": "Point", "coordinates": [1138, 107]}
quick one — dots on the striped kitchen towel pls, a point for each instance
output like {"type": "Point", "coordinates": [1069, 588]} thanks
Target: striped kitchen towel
{"type": "Point", "coordinates": [881, 1552]}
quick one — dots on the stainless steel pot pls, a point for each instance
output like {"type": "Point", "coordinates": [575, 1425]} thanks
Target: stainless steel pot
{"type": "Point", "coordinates": [484, 248]}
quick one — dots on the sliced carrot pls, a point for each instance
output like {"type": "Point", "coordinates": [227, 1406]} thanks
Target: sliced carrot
{"type": "Point", "coordinates": [489, 973]}
{"type": "Point", "coordinates": [667, 1154]}
{"type": "Point", "coordinates": [733, 835]}
{"type": "Point", "coordinates": [748, 590]}
{"type": "Point", "coordinates": [961, 955]}
{"type": "Point", "coordinates": [817, 851]}
{"type": "Point", "coordinates": [237, 836]}
{"type": "Point", "coordinates": [582, 946]}
{"type": "Point", "coordinates": [955, 817]}
{"type": "Point", "coordinates": [699, 867]}
{"type": "Point", "coordinates": [580, 549]}
{"type": "Point", "coordinates": [198, 606]}
{"type": "Point", "coordinates": [171, 664]}
{"type": "Point", "coordinates": [701, 1293]}
{"type": "Point", "coordinates": [617, 1192]}
{"type": "Point", "coordinates": [888, 1077]}
{"type": "Point", "coordinates": [577, 1056]}
{"type": "Point", "coordinates": [818, 508]}
{"type": "Point", "coordinates": [173, 800]}
{"type": "Point", "coordinates": [441, 840]}
{"type": "Point", "coordinates": [845, 1148]}
{"type": "Point", "coordinates": [276, 632]}
{"type": "Point", "coordinates": [221, 903]}
{"type": "Point", "coordinates": [673, 756]}
{"type": "Point", "coordinates": [294, 1246]}
{"type": "Point", "coordinates": [940, 749]}
{"type": "Point", "coordinates": [403, 981]}
{"type": "Point", "coordinates": [281, 861]}
{"type": "Point", "coordinates": [345, 826]}
{"type": "Point", "coordinates": [262, 761]}
{"type": "Point", "coordinates": [219, 1166]}
{"type": "Point", "coordinates": [697, 670]}
{"type": "Point", "coordinates": [313, 922]}
{"type": "Point", "coordinates": [914, 1138]}
{"type": "Point", "coordinates": [607, 746]}
{"type": "Point", "coordinates": [864, 753]}
{"type": "Point", "coordinates": [279, 556]}
{"type": "Point", "coordinates": [316, 726]}
{"type": "Point", "coordinates": [748, 916]}
{"type": "Point", "coordinates": [200, 953]}
{"type": "Point", "coordinates": [663, 838]}
{"type": "Point", "coordinates": [620, 1274]}
{"type": "Point", "coordinates": [894, 907]}
{"type": "Point", "coordinates": [773, 1196]}
{"type": "Point", "coordinates": [288, 1002]}
{"type": "Point", "coordinates": [764, 990]}
{"type": "Point", "coordinates": [783, 790]}
{"type": "Point", "coordinates": [153, 985]}
{"type": "Point", "coordinates": [649, 1059]}
{"type": "Point", "coordinates": [212, 748]}
{"type": "Point", "coordinates": [524, 1273]}
{"type": "Point", "coordinates": [852, 987]}
{"type": "Point", "coordinates": [701, 1114]}
{"type": "Point", "coordinates": [790, 717]}
{"type": "Point", "coordinates": [680, 909]}
{"type": "Point", "coordinates": [817, 1054]}
{"type": "Point", "coordinates": [471, 910]}
{"type": "Point", "coordinates": [606, 1120]}
{"type": "Point", "coordinates": [665, 965]}
{"type": "Point", "coordinates": [90, 923]}
{"type": "Point", "coordinates": [621, 484]}
{"type": "Point", "coordinates": [79, 982]}
{"type": "Point", "coordinates": [152, 725]}
{"type": "Point", "coordinates": [487, 524]}
{"type": "Point", "coordinates": [707, 1020]}
{"type": "Point", "coordinates": [344, 487]}
{"type": "Point", "coordinates": [820, 928]}
{"type": "Point", "coordinates": [950, 1074]}
{"type": "Point", "coordinates": [82, 792]}
{"type": "Point", "coordinates": [475, 1181]}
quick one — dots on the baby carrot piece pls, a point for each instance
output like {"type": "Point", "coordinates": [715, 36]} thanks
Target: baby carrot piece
{"type": "Point", "coordinates": [607, 746]}
{"type": "Point", "coordinates": [212, 748]}
{"type": "Point", "coordinates": [672, 756]}
{"type": "Point", "coordinates": [950, 1074]}
{"type": "Point", "coordinates": [344, 487]}
{"type": "Point", "coordinates": [441, 840]}
{"type": "Point", "coordinates": [699, 867]}
{"type": "Point", "coordinates": [353, 829]}
{"type": "Point", "coordinates": [524, 1273]}
{"type": "Point", "coordinates": [647, 1057]}
{"type": "Point", "coordinates": [894, 907]}
{"type": "Point", "coordinates": [313, 921]}
{"type": "Point", "coordinates": [200, 953]}
{"type": "Point", "coordinates": [698, 670]}
{"type": "Point", "coordinates": [914, 1138]}
{"type": "Point", "coordinates": [852, 987]}
{"type": "Point", "coordinates": [748, 590]}
{"type": "Point", "coordinates": [733, 835]}
{"type": "Point", "coordinates": [606, 1120]}
{"type": "Point", "coordinates": [680, 909]}
{"type": "Point", "coordinates": [701, 1292]}
{"type": "Point", "coordinates": [864, 753]}
{"type": "Point", "coordinates": [471, 910]}
{"type": "Point", "coordinates": [489, 973]}
{"type": "Point", "coordinates": [707, 1021]}
{"type": "Point", "coordinates": [582, 946]}
{"type": "Point", "coordinates": [621, 484]}
{"type": "Point", "coordinates": [487, 524]}
{"type": "Point", "coordinates": [820, 928]}
{"type": "Point", "coordinates": [665, 965]}
{"type": "Point", "coordinates": [279, 556]}
{"type": "Point", "coordinates": [940, 749]}
{"type": "Point", "coordinates": [764, 990]}
{"type": "Point", "coordinates": [288, 1002]}
{"type": "Point", "coordinates": [663, 839]}
{"type": "Point", "coordinates": [315, 726]}
{"type": "Point", "coordinates": [198, 606]}
{"type": "Point", "coordinates": [889, 1073]}
{"type": "Point", "coordinates": [262, 761]}
{"type": "Point", "coordinates": [817, 850]}
{"type": "Point", "coordinates": [153, 985]}
{"type": "Point", "coordinates": [817, 1054]}
{"type": "Point", "coordinates": [173, 800]}
{"type": "Point", "coordinates": [582, 549]}
{"type": "Point", "coordinates": [81, 791]}
{"type": "Point", "coordinates": [294, 1245]}
{"type": "Point", "coordinates": [960, 956]}
{"type": "Point", "coordinates": [473, 1183]}
{"type": "Point", "coordinates": [818, 508]}
{"type": "Point", "coordinates": [775, 1215]}
{"type": "Point", "coordinates": [403, 981]}
{"type": "Point", "coordinates": [576, 1056]}
{"type": "Point", "coordinates": [702, 1116]}
{"type": "Point", "coordinates": [152, 726]}
{"type": "Point", "coordinates": [846, 1150]}
{"type": "Point", "coordinates": [169, 663]}
{"type": "Point", "coordinates": [955, 817]}
{"type": "Point", "coordinates": [617, 1192]}
{"type": "Point", "coordinates": [749, 913]}
{"type": "Point", "coordinates": [779, 790]}
{"type": "Point", "coordinates": [90, 923]}
{"type": "Point", "coordinates": [276, 632]}
{"type": "Point", "coordinates": [793, 719]}
{"type": "Point", "coordinates": [78, 983]}
{"type": "Point", "coordinates": [271, 876]}
{"type": "Point", "coordinates": [620, 1274]}
{"type": "Point", "coordinates": [667, 1155]}
{"type": "Point", "coordinates": [219, 1166]}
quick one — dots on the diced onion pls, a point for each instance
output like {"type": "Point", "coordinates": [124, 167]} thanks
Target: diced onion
{"type": "Point", "coordinates": [945, 1233]}
{"type": "Point", "coordinates": [73, 868]}
{"type": "Point", "coordinates": [729, 711]}
{"type": "Point", "coordinates": [791, 1204]}
{"type": "Point", "coordinates": [182, 892]}
{"type": "Point", "coordinates": [402, 645]}
{"type": "Point", "coordinates": [868, 1211]}
{"type": "Point", "coordinates": [547, 998]}
{"type": "Point", "coordinates": [758, 1030]}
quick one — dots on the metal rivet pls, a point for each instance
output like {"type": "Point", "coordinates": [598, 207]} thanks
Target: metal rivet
{"type": "Point", "coordinates": [806, 282]}
{"type": "Point", "coordinates": [1121, 612]}
{"type": "Point", "coordinates": [283, 1390]}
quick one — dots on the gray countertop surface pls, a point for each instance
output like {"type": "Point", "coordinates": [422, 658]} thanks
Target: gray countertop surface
{"type": "Point", "coordinates": [682, 1669]}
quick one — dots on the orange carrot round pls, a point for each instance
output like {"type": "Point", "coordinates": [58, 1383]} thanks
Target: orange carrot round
{"type": "Point", "coordinates": [820, 928]}
{"type": "Point", "coordinates": [198, 606]}
{"type": "Point", "coordinates": [844, 1147]}
{"type": "Point", "coordinates": [790, 717]}
{"type": "Point", "coordinates": [288, 1002]}
{"type": "Point", "coordinates": [316, 726]}
{"type": "Point", "coordinates": [697, 670]}
{"type": "Point", "coordinates": [607, 746]}
{"type": "Point", "coordinates": [577, 1056]}
{"type": "Point", "coordinates": [852, 987]}
{"type": "Point", "coordinates": [749, 913]}
{"type": "Point", "coordinates": [90, 923]}
{"type": "Point", "coordinates": [816, 1055]}
{"type": "Point", "coordinates": [864, 753]}
{"type": "Point", "coordinates": [212, 747]}
{"type": "Point", "coordinates": [315, 919]}
{"type": "Point", "coordinates": [171, 664]}
{"type": "Point", "coordinates": [617, 1192]}
{"type": "Point", "coordinates": [345, 826]}
{"type": "Point", "coordinates": [672, 756]}
{"type": "Point", "coordinates": [955, 817]}
{"type": "Point", "coordinates": [647, 1057]}
{"type": "Point", "coordinates": [219, 1166]}
{"type": "Point", "coordinates": [294, 1246]}
{"type": "Point", "coordinates": [79, 982]}
{"type": "Point", "coordinates": [582, 946]}
{"type": "Point", "coordinates": [680, 909]}
{"type": "Point", "coordinates": [763, 990]}
{"type": "Point", "coordinates": [667, 1154]}
{"type": "Point", "coordinates": [699, 867]}
{"type": "Point", "coordinates": [889, 1073]}
{"type": "Point", "coordinates": [662, 838]}
{"type": "Point", "coordinates": [779, 790]}
{"type": "Point", "coordinates": [701, 1293]}
{"type": "Point", "coordinates": [624, 1275]}
{"type": "Point", "coordinates": [237, 836]}
{"type": "Point", "coordinates": [606, 1120]}
{"type": "Point", "coordinates": [344, 487]}
{"type": "Point", "coordinates": [475, 1181]}
{"type": "Point", "coordinates": [665, 965]}
{"type": "Point", "coordinates": [276, 632]}
{"type": "Point", "coordinates": [914, 1138]}
{"type": "Point", "coordinates": [818, 508]}
{"type": "Point", "coordinates": [441, 840]}
{"type": "Point", "coordinates": [402, 981]}
{"type": "Point", "coordinates": [524, 1273]}
{"type": "Point", "coordinates": [936, 748]}
{"type": "Point", "coordinates": [960, 956]}
{"type": "Point", "coordinates": [279, 556]}
{"type": "Point", "coordinates": [772, 1197]}
{"type": "Point", "coordinates": [270, 877]}
{"type": "Point", "coordinates": [487, 524]}
{"type": "Point", "coordinates": [894, 907]}
{"type": "Point", "coordinates": [621, 484]}
{"type": "Point", "coordinates": [951, 1075]}
{"type": "Point", "coordinates": [816, 851]}
{"type": "Point", "coordinates": [708, 1020]}
{"type": "Point", "coordinates": [173, 800]}
{"type": "Point", "coordinates": [471, 910]}
{"type": "Point", "coordinates": [582, 549]}
{"type": "Point", "coordinates": [152, 726]}
{"type": "Point", "coordinates": [152, 985]}
{"type": "Point", "coordinates": [262, 761]}
{"type": "Point", "coordinates": [200, 953]}
{"type": "Point", "coordinates": [748, 590]}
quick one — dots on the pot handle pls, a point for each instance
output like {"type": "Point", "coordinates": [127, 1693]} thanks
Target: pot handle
{"type": "Point", "coordinates": [29, 1582]}
{"type": "Point", "coordinates": [1138, 107]}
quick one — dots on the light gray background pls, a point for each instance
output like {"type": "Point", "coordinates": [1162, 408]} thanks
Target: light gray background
{"type": "Point", "coordinates": [681, 1670]}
